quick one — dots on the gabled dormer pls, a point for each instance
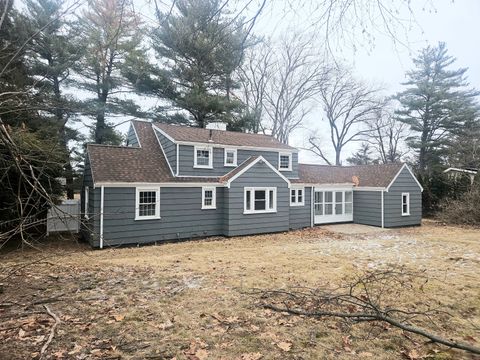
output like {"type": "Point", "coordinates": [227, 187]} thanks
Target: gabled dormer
{"type": "Point", "coordinates": [214, 151]}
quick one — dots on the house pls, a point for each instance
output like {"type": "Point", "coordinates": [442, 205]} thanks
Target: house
{"type": "Point", "coordinates": [177, 182]}
{"type": "Point", "coordinates": [455, 173]}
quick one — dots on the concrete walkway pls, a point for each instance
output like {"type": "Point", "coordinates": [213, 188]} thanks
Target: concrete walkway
{"type": "Point", "coordinates": [354, 229]}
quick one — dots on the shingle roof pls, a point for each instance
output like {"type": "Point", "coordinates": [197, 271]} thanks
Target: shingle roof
{"type": "Point", "coordinates": [233, 138]}
{"type": "Point", "coordinates": [133, 164]}
{"type": "Point", "coordinates": [366, 175]}
{"type": "Point", "coordinates": [239, 168]}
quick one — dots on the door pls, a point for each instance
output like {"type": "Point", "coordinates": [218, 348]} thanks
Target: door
{"type": "Point", "coordinates": [332, 206]}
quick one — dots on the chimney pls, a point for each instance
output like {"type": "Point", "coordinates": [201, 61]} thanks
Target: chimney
{"type": "Point", "coordinates": [216, 125]}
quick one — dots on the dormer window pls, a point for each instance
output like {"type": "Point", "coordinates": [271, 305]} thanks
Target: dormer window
{"type": "Point", "coordinates": [230, 157]}
{"type": "Point", "coordinates": [203, 157]}
{"type": "Point", "coordinates": [285, 161]}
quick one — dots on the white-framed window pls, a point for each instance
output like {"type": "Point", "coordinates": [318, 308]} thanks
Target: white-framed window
{"type": "Point", "coordinates": [348, 202]}
{"type": "Point", "coordinates": [405, 204]}
{"type": "Point", "coordinates": [297, 196]}
{"type": "Point", "coordinates": [86, 195]}
{"type": "Point", "coordinates": [203, 157]}
{"type": "Point", "coordinates": [260, 200]}
{"type": "Point", "coordinates": [230, 157]}
{"type": "Point", "coordinates": [285, 161]}
{"type": "Point", "coordinates": [209, 197]}
{"type": "Point", "coordinates": [147, 203]}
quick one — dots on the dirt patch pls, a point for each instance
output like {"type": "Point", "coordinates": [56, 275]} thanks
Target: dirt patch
{"type": "Point", "coordinates": [193, 300]}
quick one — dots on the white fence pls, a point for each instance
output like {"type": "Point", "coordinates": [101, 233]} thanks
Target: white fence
{"type": "Point", "coordinates": [64, 217]}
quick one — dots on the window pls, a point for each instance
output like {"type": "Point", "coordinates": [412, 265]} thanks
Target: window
{"type": "Point", "coordinates": [285, 161]}
{"type": "Point", "coordinates": [147, 204]}
{"type": "Point", "coordinates": [209, 198]}
{"type": "Point", "coordinates": [297, 197]}
{"type": "Point", "coordinates": [348, 202]}
{"type": "Point", "coordinates": [203, 157]}
{"type": "Point", "coordinates": [260, 200]}
{"type": "Point", "coordinates": [87, 193]}
{"type": "Point", "coordinates": [405, 204]}
{"type": "Point", "coordinates": [230, 157]}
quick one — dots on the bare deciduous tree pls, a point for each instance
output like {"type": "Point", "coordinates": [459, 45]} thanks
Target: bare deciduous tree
{"type": "Point", "coordinates": [386, 136]}
{"type": "Point", "coordinates": [348, 105]}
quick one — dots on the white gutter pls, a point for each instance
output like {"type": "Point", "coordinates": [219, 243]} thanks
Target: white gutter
{"type": "Point", "coordinates": [383, 209]}
{"type": "Point", "coordinates": [102, 190]}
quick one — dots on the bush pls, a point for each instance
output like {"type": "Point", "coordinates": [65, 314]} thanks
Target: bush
{"type": "Point", "coordinates": [463, 210]}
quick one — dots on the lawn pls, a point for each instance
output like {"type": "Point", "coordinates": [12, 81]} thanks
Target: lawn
{"type": "Point", "coordinates": [198, 300]}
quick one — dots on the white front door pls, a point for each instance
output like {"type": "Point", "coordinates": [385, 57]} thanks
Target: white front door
{"type": "Point", "coordinates": [332, 206]}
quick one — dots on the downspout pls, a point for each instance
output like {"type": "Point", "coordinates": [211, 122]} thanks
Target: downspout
{"type": "Point", "coordinates": [383, 209]}
{"type": "Point", "coordinates": [102, 191]}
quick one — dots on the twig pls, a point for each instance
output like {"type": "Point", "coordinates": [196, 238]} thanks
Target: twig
{"type": "Point", "coordinates": [52, 330]}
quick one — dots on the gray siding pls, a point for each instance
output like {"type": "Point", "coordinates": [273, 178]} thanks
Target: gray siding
{"type": "Point", "coordinates": [393, 201]}
{"type": "Point", "coordinates": [367, 207]}
{"type": "Point", "coordinates": [170, 150]}
{"type": "Point", "coordinates": [186, 159]}
{"type": "Point", "coordinates": [132, 137]}
{"type": "Point", "coordinates": [238, 223]}
{"type": "Point", "coordinates": [180, 212]}
{"type": "Point", "coordinates": [300, 216]}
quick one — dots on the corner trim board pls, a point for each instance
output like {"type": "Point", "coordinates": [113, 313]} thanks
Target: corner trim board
{"type": "Point", "coordinates": [102, 197]}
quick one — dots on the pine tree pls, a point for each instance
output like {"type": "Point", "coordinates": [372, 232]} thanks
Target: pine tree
{"type": "Point", "coordinates": [51, 56]}
{"type": "Point", "coordinates": [437, 102]}
{"type": "Point", "coordinates": [363, 156]}
{"type": "Point", "coordinates": [112, 41]}
{"type": "Point", "coordinates": [198, 49]}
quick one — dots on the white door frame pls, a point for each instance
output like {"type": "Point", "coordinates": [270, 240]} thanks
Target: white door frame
{"type": "Point", "coordinates": [325, 218]}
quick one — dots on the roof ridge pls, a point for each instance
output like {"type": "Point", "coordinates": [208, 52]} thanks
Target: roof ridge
{"type": "Point", "coordinates": [114, 146]}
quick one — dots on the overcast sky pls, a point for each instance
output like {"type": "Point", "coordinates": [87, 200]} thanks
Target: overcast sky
{"type": "Point", "coordinates": [454, 22]}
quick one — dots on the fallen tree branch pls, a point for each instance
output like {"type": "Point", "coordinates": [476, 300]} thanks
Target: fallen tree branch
{"type": "Point", "coordinates": [52, 330]}
{"type": "Point", "coordinates": [370, 297]}
{"type": "Point", "coordinates": [379, 317]}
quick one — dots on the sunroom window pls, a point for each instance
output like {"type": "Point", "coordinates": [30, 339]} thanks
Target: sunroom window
{"type": "Point", "coordinates": [260, 200]}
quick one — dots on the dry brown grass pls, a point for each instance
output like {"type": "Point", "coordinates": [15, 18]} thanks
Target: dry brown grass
{"type": "Point", "coordinates": [191, 299]}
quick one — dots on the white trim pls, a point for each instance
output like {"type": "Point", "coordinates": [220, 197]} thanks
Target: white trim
{"type": "Point", "coordinates": [199, 176]}
{"type": "Point", "coordinates": [214, 197]}
{"type": "Point", "coordinates": [472, 172]}
{"type": "Point", "coordinates": [290, 156]}
{"type": "Point", "coordinates": [234, 157]}
{"type": "Point", "coordinates": [102, 199]}
{"type": "Point", "coordinates": [296, 202]}
{"type": "Point", "coordinates": [339, 185]}
{"type": "Point", "coordinates": [136, 135]}
{"type": "Point", "coordinates": [368, 188]}
{"type": "Point", "coordinates": [408, 204]}
{"type": "Point", "coordinates": [312, 209]}
{"type": "Point", "coordinates": [383, 208]}
{"type": "Point", "coordinates": [164, 155]}
{"type": "Point", "coordinates": [245, 147]}
{"type": "Point", "coordinates": [137, 202]}
{"type": "Point", "coordinates": [257, 160]}
{"type": "Point", "coordinates": [411, 173]}
{"type": "Point", "coordinates": [86, 195]}
{"type": "Point", "coordinates": [164, 133]}
{"type": "Point", "coordinates": [178, 159]}
{"type": "Point", "coordinates": [164, 184]}
{"type": "Point", "coordinates": [252, 190]}
{"type": "Point", "coordinates": [210, 157]}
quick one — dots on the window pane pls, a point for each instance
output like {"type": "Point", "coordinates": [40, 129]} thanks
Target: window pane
{"type": "Point", "coordinates": [146, 203]}
{"type": "Point", "coordinates": [284, 161]}
{"type": "Point", "coordinates": [300, 195]}
{"type": "Point", "coordinates": [203, 157]}
{"type": "Point", "coordinates": [260, 200]}
{"type": "Point", "coordinates": [348, 208]}
{"type": "Point", "coordinates": [230, 157]}
{"type": "Point", "coordinates": [293, 198]}
{"type": "Point", "coordinates": [338, 197]}
{"type": "Point", "coordinates": [348, 196]}
{"type": "Point", "coordinates": [339, 209]}
{"type": "Point", "coordinates": [405, 208]}
{"type": "Point", "coordinates": [328, 209]}
{"type": "Point", "coordinates": [318, 209]}
{"type": "Point", "coordinates": [318, 197]}
{"type": "Point", "coordinates": [248, 201]}
{"type": "Point", "coordinates": [270, 200]}
{"type": "Point", "coordinates": [328, 196]}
